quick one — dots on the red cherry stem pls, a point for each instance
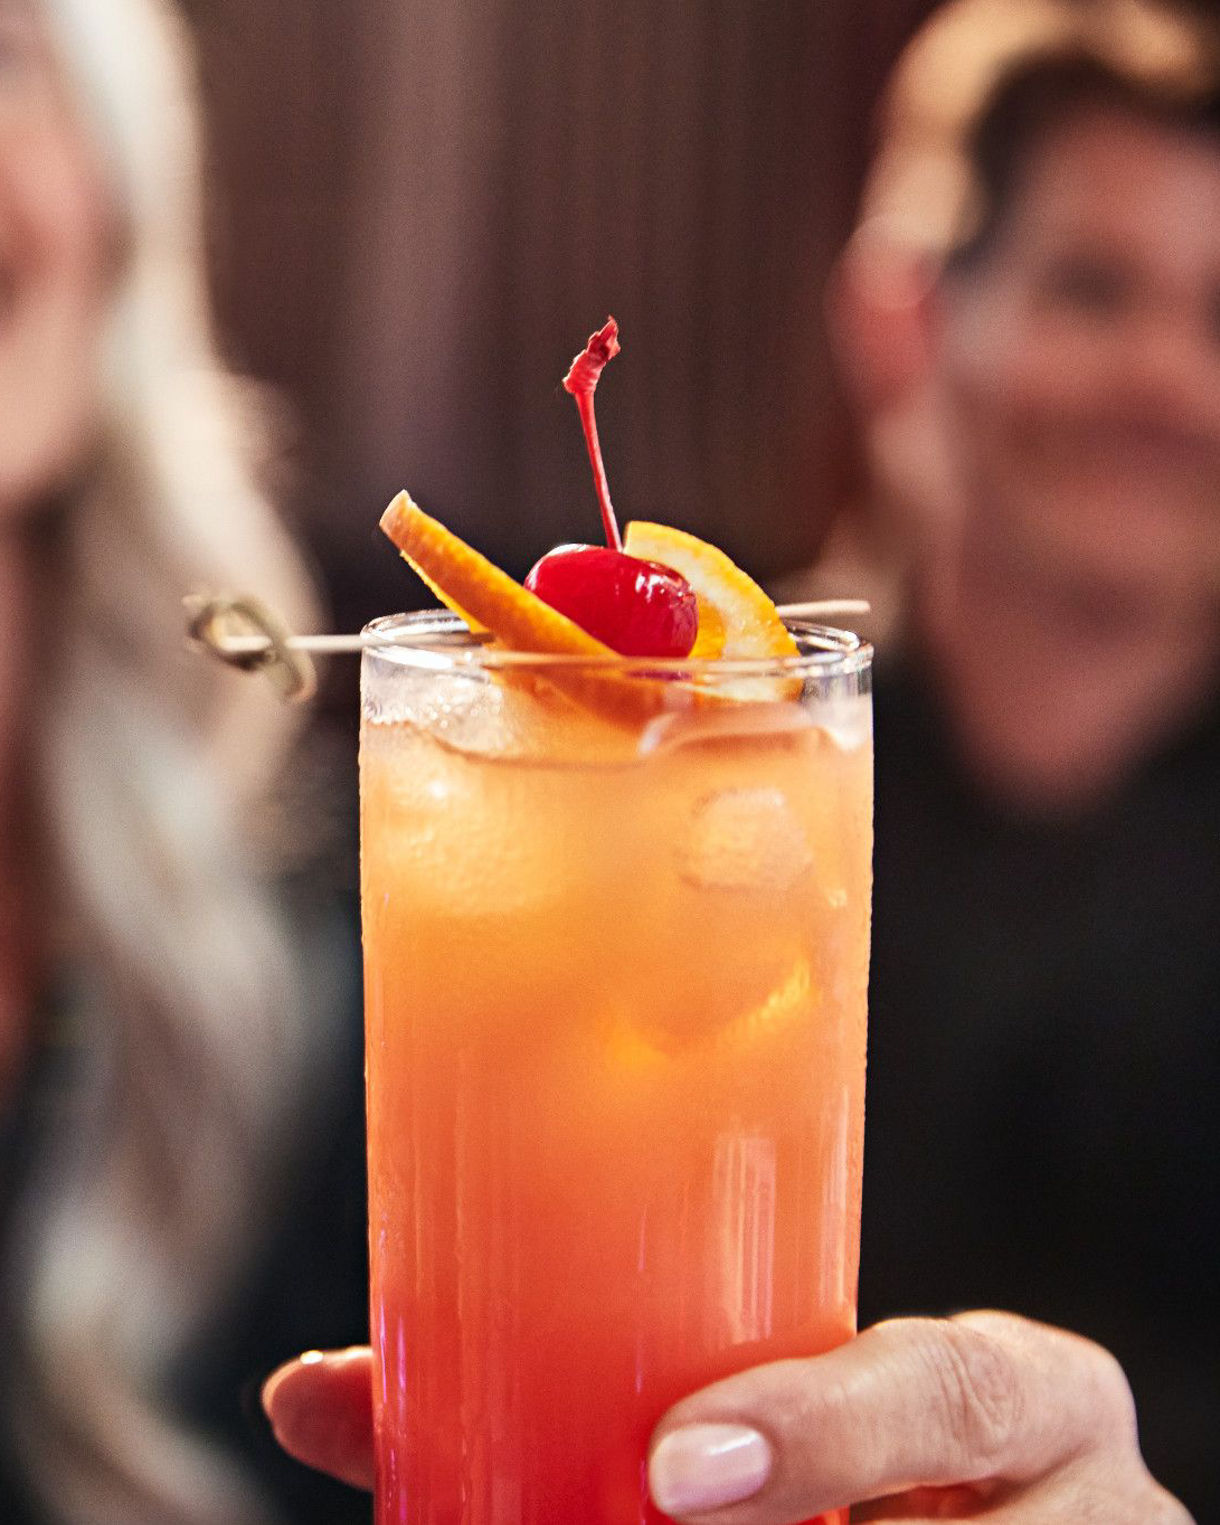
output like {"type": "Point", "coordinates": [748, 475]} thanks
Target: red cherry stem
{"type": "Point", "coordinates": [581, 382]}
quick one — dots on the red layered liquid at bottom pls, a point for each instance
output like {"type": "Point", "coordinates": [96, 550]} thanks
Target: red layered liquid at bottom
{"type": "Point", "coordinates": [523, 1384]}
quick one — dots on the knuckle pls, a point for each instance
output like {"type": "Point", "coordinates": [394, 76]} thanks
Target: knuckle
{"type": "Point", "coordinates": [1098, 1406]}
{"type": "Point", "coordinates": [1107, 1394]}
{"type": "Point", "coordinates": [978, 1386]}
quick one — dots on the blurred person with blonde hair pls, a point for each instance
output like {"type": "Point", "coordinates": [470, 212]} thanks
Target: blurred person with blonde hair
{"type": "Point", "coordinates": [1029, 318]}
{"type": "Point", "coordinates": [155, 1064]}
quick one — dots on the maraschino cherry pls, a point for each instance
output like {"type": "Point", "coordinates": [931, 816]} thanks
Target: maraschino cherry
{"type": "Point", "coordinates": [637, 608]}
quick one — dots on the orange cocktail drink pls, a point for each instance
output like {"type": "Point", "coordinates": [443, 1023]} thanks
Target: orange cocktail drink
{"type": "Point", "coordinates": [616, 963]}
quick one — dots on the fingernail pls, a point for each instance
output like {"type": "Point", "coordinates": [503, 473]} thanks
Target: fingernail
{"type": "Point", "coordinates": [705, 1466]}
{"type": "Point", "coordinates": [277, 1394]}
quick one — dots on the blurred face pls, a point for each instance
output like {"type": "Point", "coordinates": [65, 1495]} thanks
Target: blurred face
{"type": "Point", "coordinates": [55, 256]}
{"type": "Point", "coordinates": [1081, 364]}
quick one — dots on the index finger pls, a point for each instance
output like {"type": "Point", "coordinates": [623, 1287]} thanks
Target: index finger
{"type": "Point", "coordinates": [909, 1403]}
{"type": "Point", "coordinates": [321, 1411]}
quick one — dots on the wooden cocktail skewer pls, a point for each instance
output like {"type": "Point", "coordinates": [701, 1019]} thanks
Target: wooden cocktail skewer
{"type": "Point", "coordinates": [245, 633]}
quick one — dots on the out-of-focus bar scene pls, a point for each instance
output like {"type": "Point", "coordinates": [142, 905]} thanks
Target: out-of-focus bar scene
{"type": "Point", "coordinates": [919, 305]}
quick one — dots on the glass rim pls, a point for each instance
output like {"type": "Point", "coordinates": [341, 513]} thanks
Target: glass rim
{"type": "Point", "coordinates": [427, 637]}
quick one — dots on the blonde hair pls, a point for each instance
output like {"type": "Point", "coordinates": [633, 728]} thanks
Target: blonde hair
{"type": "Point", "coordinates": [189, 1046]}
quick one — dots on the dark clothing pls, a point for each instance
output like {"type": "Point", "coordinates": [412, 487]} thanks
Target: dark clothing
{"type": "Point", "coordinates": [1043, 1127]}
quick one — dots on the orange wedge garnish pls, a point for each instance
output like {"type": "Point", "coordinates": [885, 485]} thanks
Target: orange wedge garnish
{"type": "Point", "coordinates": [478, 591]}
{"type": "Point", "coordinates": [737, 621]}
{"type": "Point", "coordinates": [485, 597]}
{"type": "Point", "coordinates": [736, 618]}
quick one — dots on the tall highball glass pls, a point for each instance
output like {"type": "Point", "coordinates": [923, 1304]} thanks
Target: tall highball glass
{"type": "Point", "coordinates": [616, 921]}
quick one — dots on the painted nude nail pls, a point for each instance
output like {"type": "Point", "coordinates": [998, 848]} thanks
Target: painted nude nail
{"type": "Point", "coordinates": [705, 1466]}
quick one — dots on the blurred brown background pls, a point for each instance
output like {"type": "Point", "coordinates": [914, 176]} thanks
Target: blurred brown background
{"type": "Point", "coordinates": [422, 210]}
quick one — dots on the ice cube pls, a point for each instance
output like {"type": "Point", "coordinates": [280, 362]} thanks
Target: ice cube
{"type": "Point", "coordinates": [848, 718]}
{"type": "Point", "coordinates": [455, 833]}
{"type": "Point", "coordinates": [744, 839]}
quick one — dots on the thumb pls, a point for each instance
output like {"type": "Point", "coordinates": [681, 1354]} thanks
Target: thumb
{"type": "Point", "coordinates": [912, 1403]}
